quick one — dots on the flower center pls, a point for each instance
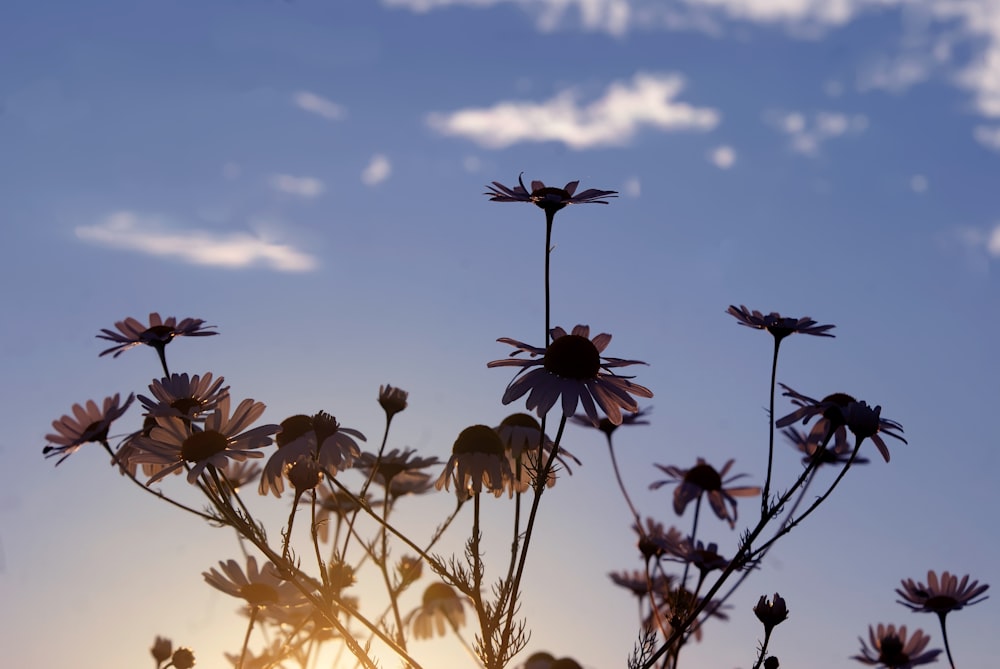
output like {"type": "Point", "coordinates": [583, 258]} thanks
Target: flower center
{"type": "Point", "coordinates": [438, 592]}
{"type": "Point", "coordinates": [550, 199]}
{"type": "Point", "coordinates": [292, 428]}
{"type": "Point", "coordinates": [573, 357]}
{"type": "Point", "coordinates": [96, 431]}
{"type": "Point", "coordinates": [478, 439]}
{"type": "Point", "coordinates": [891, 652]}
{"type": "Point", "coordinates": [158, 334]}
{"type": "Point", "coordinates": [203, 445]}
{"type": "Point", "coordinates": [941, 604]}
{"type": "Point", "coordinates": [259, 593]}
{"type": "Point", "coordinates": [521, 420]}
{"type": "Point", "coordinates": [704, 476]}
{"type": "Point", "coordinates": [186, 405]}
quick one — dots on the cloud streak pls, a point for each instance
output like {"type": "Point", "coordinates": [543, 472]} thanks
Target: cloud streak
{"type": "Point", "coordinates": [316, 104]}
{"type": "Point", "coordinates": [301, 186]}
{"type": "Point", "coordinates": [377, 171]}
{"type": "Point", "coordinates": [129, 231]}
{"type": "Point", "coordinates": [647, 101]}
{"type": "Point", "coordinates": [806, 135]}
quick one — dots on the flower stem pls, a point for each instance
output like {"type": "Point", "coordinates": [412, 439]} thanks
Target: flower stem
{"type": "Point", "coordinates": [765, 495]}
{"type": "Point", "coordinates": [944, 634]}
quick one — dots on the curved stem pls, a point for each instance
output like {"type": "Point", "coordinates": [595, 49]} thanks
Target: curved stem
{"type": "Point", "coordinates": [944, 634]}
{"type": "Point", "coordinates": [765, 495]}
{"type": "Point", "coordinates": [621, 484]}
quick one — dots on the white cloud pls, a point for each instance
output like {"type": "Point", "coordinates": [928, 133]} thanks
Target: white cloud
{"type": "Point", "coordinates": [807, 136]}
{"type": "Point", "coordinates": [723, 157]}
{"type": "Point", "coordinates": [612, 16]}
{"type": "Point", "coordinates": [133, 232]}
{"type": "Point", "coordinates": [612, 120]}
{"type": "Point", "coordinates": [377, 171]}
{"type": "Point", "coordinates": [301, 186]}
{"type": "Point", "coordinates": [316, 104]}
{"type": "Point", "coordinates": [988, 136]}
{"type": "Point", "coordinates": [894, 75]}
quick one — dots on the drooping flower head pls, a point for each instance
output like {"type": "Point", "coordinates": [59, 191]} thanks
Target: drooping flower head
{"type": "Point", "coordinates": [890, 648]}
{"type": "Point", "coordinates": [522, 435]}
{"type": "Point", "coordinates": [259, 587]}
{"type": "Point", "coordinates": [941, 595]}
{"type": "Point", "coordinates": [548, 198]}
{"type": "Point", "coordinates": [440, 605]}
{"type": "Point", "coordinates": [392, 400]}
{"type": "Point", "coordinates": [778, 325]}
{"type": "Point", "coordinates": [572, 369]}
{"type": "Point", "coordinates": [703, 478]}
{"type": "Point", "coordinates": [840, 410]}
{"type": "Point", "coordinates": [478, 460]}
{"type": "Point", "coordinates": [319, 438]}
{"type": "Point", "coordinates": [180, 444]}
{"type": "Point", "coordinates": [89, 423]}
{"type": "Point", "coordinates": [771, 613]}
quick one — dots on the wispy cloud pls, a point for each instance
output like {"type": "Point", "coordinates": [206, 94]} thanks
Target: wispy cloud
{"type": "Point", "coordinates": [806, 135]}
{"type": "Point", "coordinates": [632, 187]}
{"type": "Point", "coordinates": [612, 16]}
{"type": "Point", "coordinates": [648, 100]}
{"type": "Point", "coordinates": [316, 104]}
{"type": "Point", "coordinates": [988, 136]}
{"type": "Point", "coordinates": [377, 171]}
{"type": "Point", "coordinates": [130, 231]}
{"type": "Point", "coordinates": [722, 157]}
{"type": "Point", "coordinates": [301, 186]}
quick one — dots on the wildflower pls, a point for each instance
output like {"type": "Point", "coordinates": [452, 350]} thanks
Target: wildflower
{"type": "Point", "coordinates": [441, 604]}
{"type": "Point", "coordinates": [183, 396]}
{"type": "Point", "coordinates": [570, 368]}
{"type": "Point", "coordinates": [680, 601]}
{"type": "Point", "coordinates": [88, 423]}
{"type": "Point", "coordinates": [778, 325]}
{"type": "Point", "coordinates": [607, 427]}
{"type": "Point", "coordinates": [637, 583]}
{"type": "Point", "coordinates": [393, 400]}
{"type": "Point", "coordinates": [891, 649]}
{"type": "Point", "coordinates": [838, 454]}
{"type": "Point", "coordinates": [162, 649]}
{"type": "Point", "coordinates": [941, 595]}
{"type": "Point", "coordinates": [178, 443]}
{"type": "Point", "coordinates": [394, 466]}
{"type": "Point", "coordinates": [409, 568]}
{"type": "Point", "coordinates": [478, 458]}
{"type": "Point", "coordinates": [259, 587]}
{"type": "Point", "coordinates": [320, 438]}
{"type": "Point", "coordinates": [416, 483]}
{"type": "Point", "coordinates": [522, 435]}
{"type": "Point", "coordinates": [539, 660]}
{"type": "Point", "coordinates": [157, 334]}
{"type": "Point", "coordinates": [548, 198]}
{"type": "Point", "coordinates": [705, 558]}
{"type": "Point", "coordinates": [183, 658]}
{"type": "Point", "coordinates": [771, 613]}
{"type": "Point", "coordinates": [565, 663]}
{"type": "Point", "coordinates": [654, 541]}
{"type": "Point", "coordinates": [841, 410]}
{"type": "Point", "coordinates": [703, 478]}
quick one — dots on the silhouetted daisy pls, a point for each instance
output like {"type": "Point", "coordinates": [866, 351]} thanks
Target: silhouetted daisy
{"type": "Point", "coordinates": [178, 443]}
{"type": "Point", "coordinates": [319, 438]}
{"type": "Point", "coordinates": [778, 325]}
{"type": "Point", "coordinates": [891, 649]}
{"type": "Point", "coordinates": [157, 334]}
{"type": "Point", "coordinates": [809, 444]}
{"type": "Point", "coordinates": [184, 396]}
{"type": "Point", "coordinates": [88, 423]}
{"type": "Point", "coordinates": [440, 605]}
{"type": "Point", "coordinates": [548, 198]}
{"type": "Point", "coordinates": [941, 595]}
{"type": "Point", "coordinates": [478, 460]}
{"type": "Point", "coordinates": [570, 368]}
{"type": "Point", "coordinates": [395, 466]}
{"type": "Point", "coordinates": [259, 587]}
{"type": "Point", "coordinates": [522, 435]}
{"type": "Point", "coordinates": [703, 478]}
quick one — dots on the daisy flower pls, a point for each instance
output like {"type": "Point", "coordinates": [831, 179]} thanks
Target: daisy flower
{"type": "Point", "coordinates": [841, 410]}
{"type": "Point", "coordinates": [157, 334]}
{"type": "Point", "coordinates": [778, 325]}
{"type": "Point", "coordinates": [571, 368]}
{"type": "Point", "coordinates": [704, 558]}
{"type": "Point", "coordinates": [178, 443]}
{"type": "Point", "coordinates": [259, 587]}
{"type": "Point", "coordinates": [394, 466]}
{"type": "Point", "coordinates": [607, 427]}
{"type": "Point", "coordinates": [654, 541]}
{"type": "Point", "coordinates": [521, 435]}
{"type": "Point", "coordinates": [703, 478]}
{"type": "Point", "coordinates": [636, 582]}
{"type": "Point", "coordinates": [941, 595]}
{"type": "Point", "coordinates": [441, 604]}
{"type": "Point", "coordinates": [184, 396]}
{"type": "Point", "coordinates": [809, 444]}
{"type": "Point", "coordinates": [548, 198]}
{"type": "Point", "coordinates": [320, 438]}
{"type": "Point", "coordinates": [88, 423]}
{"type": "Point", "coordinates": [891, 649]}
{"type": "Point", "coordinates": [478, 460]}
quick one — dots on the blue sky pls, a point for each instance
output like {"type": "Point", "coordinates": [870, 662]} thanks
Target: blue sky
{"type": "Point", "coordinates": [308, 176]}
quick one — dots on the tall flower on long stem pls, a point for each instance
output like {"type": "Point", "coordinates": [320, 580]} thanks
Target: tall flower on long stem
{"type": "Point", "coordinates": [892, 649]}
{"type": "Point", "coordinates": [780, 327]}
{"type": "Point", "coordinates": [157, 334]}
{"type": "Point", "coordinates": [941, 596]}
{"type": "Point", "coordinates": [89, 423]}
{"type": "Point", "coordinates": [703, 478]}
